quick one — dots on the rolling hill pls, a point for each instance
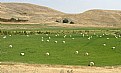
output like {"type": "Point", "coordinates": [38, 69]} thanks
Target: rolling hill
{"type": "Point", "coordinates": [40, 14]}
{"type": "Point", "coordinates": [101, 17]}
{"type": "Point", "coordinates": [33, 13]}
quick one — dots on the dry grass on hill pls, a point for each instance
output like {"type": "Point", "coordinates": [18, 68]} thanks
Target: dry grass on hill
{"type": "Point", "coordinates": [40, 14]}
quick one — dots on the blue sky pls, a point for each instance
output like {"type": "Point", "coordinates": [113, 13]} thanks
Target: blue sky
{"type": "Point", "coordinates": [74, 6]}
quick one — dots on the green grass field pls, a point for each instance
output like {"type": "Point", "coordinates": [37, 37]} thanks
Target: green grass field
{"type": "Point", "coordinates": [61, 53]}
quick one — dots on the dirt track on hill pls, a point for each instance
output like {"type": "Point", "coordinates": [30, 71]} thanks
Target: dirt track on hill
{"type": "Point", "coordinates": [35, 68]}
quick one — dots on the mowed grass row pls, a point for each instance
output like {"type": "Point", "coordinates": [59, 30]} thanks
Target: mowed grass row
{"type": "Point", "coordinates": [61, 53]}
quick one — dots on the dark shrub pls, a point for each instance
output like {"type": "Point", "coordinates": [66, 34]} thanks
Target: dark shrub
{"type": "Point", "coordinates": [71, 22]}
{"type": "Point", "coordinates": [65, 20]}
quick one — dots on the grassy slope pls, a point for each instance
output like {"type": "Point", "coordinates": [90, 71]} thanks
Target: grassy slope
{"type": "Point", "coordinates": [61, 53]}
{"type": "Point", "coordinates": [45, 26]}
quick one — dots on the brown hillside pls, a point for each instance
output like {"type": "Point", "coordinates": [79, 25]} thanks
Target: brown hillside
{"type": "Point", "coordinates": [107, 18]}
{"type": "Point", "coordinates": [41, 14]}
{"type": "Point", "coordinates": [101, 17]}
{"type": "Point", "coordinates": [33, 13]}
